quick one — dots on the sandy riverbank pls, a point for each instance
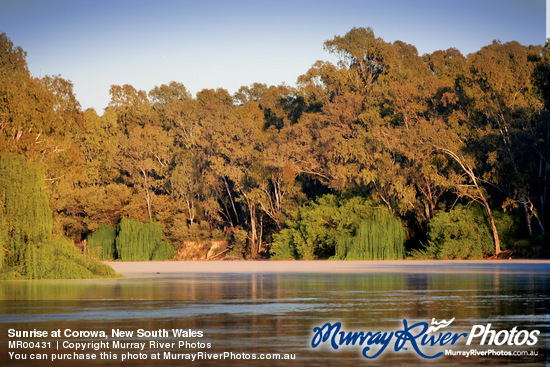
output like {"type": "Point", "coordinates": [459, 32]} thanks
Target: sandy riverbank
{"type": "Point", "coordinates": [151, 268]}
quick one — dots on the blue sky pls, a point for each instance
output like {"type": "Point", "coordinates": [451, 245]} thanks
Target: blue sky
{"type": "Point", "coordinates": [211, 44]}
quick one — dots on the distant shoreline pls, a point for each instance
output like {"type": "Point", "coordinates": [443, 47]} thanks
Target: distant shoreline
{"type": "Point", "coordinates": [154, 268]}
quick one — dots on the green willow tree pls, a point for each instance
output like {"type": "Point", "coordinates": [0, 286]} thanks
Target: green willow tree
{"type": "Point", "coordinates": [380, 237]}
{"type": "Point", "coordinates": [141, 241]}
{"type": "Point", "coordinates": [26, 243]}
{"type": "Point", "coordinates": [26, 217]}
{"type": "Point", "coordinates": [102, 243]}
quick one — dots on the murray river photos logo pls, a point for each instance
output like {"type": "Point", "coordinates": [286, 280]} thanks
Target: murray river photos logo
{"type": "Point", "coordinates": [420, 337]}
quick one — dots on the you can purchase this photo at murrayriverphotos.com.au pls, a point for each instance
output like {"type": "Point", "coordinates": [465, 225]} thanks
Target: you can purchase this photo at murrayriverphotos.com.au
{"type": "Point", "coordinates": [260, 183]}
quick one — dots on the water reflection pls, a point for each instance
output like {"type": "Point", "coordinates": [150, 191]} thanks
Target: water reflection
{"type": "Point", "coordinates": [275, 313]}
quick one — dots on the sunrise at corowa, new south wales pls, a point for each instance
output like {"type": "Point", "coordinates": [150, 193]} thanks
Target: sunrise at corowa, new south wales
{"type": "Point", "coordinates": [274, 183]}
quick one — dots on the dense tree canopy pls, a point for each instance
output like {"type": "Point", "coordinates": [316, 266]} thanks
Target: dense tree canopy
{"type": "Point", "coordinates": [420, 136]}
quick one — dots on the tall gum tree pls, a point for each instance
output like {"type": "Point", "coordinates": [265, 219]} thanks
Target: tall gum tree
{"type": "Point", "coordinates": [352, 105]}
{"type": "Point", "coordinates": [144, 157]}
{"type": "Point", "coordinates": [508, 104]}
{"type": "Point", "coordinates": [240, 145]}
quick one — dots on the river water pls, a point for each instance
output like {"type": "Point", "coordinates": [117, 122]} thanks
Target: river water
{"type": "Point", "coordinates": [255, 314]}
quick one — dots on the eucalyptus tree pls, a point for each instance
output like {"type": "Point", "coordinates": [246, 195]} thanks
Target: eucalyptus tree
{"type": "Point", "coordinates": [163, 95]}
{"type": "Point", "coordinates": [143, 157]}
{"type": "Point", "coordinates": [509, 106]}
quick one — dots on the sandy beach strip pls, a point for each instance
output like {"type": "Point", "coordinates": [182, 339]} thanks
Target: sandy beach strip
{"type": "Point", "coordinates": [151, 268]}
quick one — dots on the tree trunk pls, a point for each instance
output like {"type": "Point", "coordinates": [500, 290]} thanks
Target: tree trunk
{"type": "Point", "coordinates": [527, 218]}
{"type": "Point", "coordinates": [253, 233]}
{"type": "Point", "coordinates": [493, 229]}
{"type": "Point", "coordinates": [253, 229]}
{"type": "Point", "coordinates": [190, 209]}
{"type": "Point", "coordinates": [231, 200]}
{"type": "Point", "coordinates": [148, 197]}
{"type": "Point", "coordinates": [149, 204]}
{"type": "Point", "coordinates": [480, 192]}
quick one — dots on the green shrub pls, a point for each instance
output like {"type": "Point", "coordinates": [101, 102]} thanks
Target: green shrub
{"type": "Point", "coordinates": [163, 251]}
{"type": "Point", "coordinates": [284, 246]}
{"type": "Point", "coordinates": [349, 227]}
{"type": "Point", "coordinates": [507, 227]}
{"type": "Point", "coordinates": [462, 233]}
{"type": "Point", "coordinates": [238, 242]}
{"type": "Point", "coordinates": [312, 233]}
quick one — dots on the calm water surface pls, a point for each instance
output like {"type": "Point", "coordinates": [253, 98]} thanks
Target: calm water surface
{"type": "Point", "coordinates": [276, 312]}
